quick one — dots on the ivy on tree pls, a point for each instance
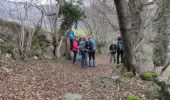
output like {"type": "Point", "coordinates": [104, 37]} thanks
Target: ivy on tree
{"type": "Point", "coordinates": [71, 13]}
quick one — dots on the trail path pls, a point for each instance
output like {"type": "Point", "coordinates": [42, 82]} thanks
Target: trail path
{"type": "Point", "coordinates": [49, 80]}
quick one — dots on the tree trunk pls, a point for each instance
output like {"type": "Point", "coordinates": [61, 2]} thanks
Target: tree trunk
{"type": "Point", "coordinates": [137, 14]}
{"type": "Point", "coordinates": [68, 54]}
{"type": "Point", "coordinates": [21, 40]}
{"type": "Point", "coordinates": [58, 53]}
{"type": "Point", "coordinates": [125, 29]}
{"type": "Point", "coordinates": [57, 43]}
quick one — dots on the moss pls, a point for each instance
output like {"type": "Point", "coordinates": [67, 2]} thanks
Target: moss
{"type": "Point", "coordinates": [132, 97]}
{"type": "Point", "coordinates": [149, 76]}
{"type": "Point", "coordinates": [9, 48]}
{"type": "Point", "coordinates": [37, 49]}
{"type": "Point", "coordinates": [128, 74]}
{"type": "Point", "coordinates": [39, 44]}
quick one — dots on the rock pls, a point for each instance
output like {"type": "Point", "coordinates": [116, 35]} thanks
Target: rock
{"type": "Point", "coordinates": [132, 97]}
{"type": "Point", "coordinates": [8, 55]}
{"type": "Point", "coordinates": [125, 94]}
{"type": "Point", "coordinates": [6, 69]}
{"type": "Point", "coordinates": [70, 96]}
{"type": "Point", "coordinates": [149, 76]}
{"type": "Point", "coordinates": [48, 52]}
{"type": "Point", "coordinates": [1, 40]}
{"type": "Point", "coordinates": [47, 37]}
{"type": "Point", "coordinates": [35, 57]}
{"type": "Point", "coordinates": [163, 88]}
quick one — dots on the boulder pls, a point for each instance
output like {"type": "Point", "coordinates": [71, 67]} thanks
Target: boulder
{"type": "Point", "coordinates": [160, 90]}
{"type": "Point", "coordinates": [35, 57]}
{"type": "Point", "coordinates": [8, 55]}
{"type": "Point", "coordinates": [47, 37]}
{"type": "Point", "coordinates": [48, 53]}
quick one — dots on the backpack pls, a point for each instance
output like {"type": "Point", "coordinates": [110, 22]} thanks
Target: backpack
{"type": "Point", "coordinates": [119, 45]}
{"type": "Point", "coordinates": [82, 46]}
{"type": "Point", "coordinates": [113, 48]}
{"type": "Point", "coordinates": [71, 35]}
{"type": "Point", "coordinates": [92, 45]}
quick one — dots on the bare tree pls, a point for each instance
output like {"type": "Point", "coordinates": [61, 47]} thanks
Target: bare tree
{"type": "Point", "coordinates": [28, 24]}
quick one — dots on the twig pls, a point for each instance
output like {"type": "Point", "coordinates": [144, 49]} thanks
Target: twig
{"type": "Point", "coordinates": [165, 67]}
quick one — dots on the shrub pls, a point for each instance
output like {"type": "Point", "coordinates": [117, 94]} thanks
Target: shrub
{"type": "Point", "coordinates": [128, 74]}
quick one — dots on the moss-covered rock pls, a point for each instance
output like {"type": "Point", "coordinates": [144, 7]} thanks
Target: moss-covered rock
{"type": "Point", "coordinates": [132, 97]}
{"type": "Point", "coordinates": [128, 74]}
{"type": "Point", "coordinates": [42, 44]}
{"type": "Point", "coordinates": [160, 89]}
{"type": "Point", "coordinates": [149, 76]}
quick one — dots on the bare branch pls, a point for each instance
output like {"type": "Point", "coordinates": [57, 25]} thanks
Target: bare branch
{"type": "Point", "coordinates": [150, 3]}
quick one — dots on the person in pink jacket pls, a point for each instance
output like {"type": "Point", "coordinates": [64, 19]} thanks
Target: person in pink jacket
{"type": "Point", "coordinates": [75, 49]}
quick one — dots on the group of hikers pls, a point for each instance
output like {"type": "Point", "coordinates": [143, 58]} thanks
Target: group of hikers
{"type": "Point", "coordinates": [84, 50]}
{"type": "Point", "coordinates": [116, 48]}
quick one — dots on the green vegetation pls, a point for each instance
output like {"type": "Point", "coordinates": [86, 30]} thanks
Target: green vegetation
{"type": "Point", "coordinates": [9, 48]}
{"type": "Point", "coordinates": [132, 97]}
{"type": "Point", "coordinates": [120, 65]}
{"type": "Point", "coordinates": [39, 42]}
{"type": "Point", "coordinates": [128, 74]}
{"type": "Point", "coordinates": [72, 14]}
{"type": "Point", "coordinates": [163, 90]}
{"type": "Point", "coordinates": [160, 89]}
{"type": "Point", "coordinates": [149, 76]}
{"type": "Point", "coordinates": [80, 32]}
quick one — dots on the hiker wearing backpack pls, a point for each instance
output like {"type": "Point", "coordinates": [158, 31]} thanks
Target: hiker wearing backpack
{"type": "Point", "coordinates": [79, 53]}
{"type": "Point", "coordinates": [113, 49]}
{"type": "Point", "coordinates": [84, 52]}
{"type": "Point", "coordinates": [92, 52]}
{"type": "Point", "coordinates": [75, 49]}
{"type": "Point", "coordinates": [119, 49]}
{"type": "Point", "coordinates": [70, 35]}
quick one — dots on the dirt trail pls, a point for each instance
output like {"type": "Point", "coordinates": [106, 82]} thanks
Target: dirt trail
{"type": "Point", "coordinates": [49, 80]}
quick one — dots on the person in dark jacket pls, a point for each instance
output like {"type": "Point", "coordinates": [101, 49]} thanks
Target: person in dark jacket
{"type": "Point", "coordinates": [92, 51]}
{"type": "Point", "coordinates": [112, 49]}
{"type": "Point", "coordinates": [83, 49]}
{"type": "Point", "coordinates": [86, 51]}
{"type": "Point", "coordinates": [119, 50]}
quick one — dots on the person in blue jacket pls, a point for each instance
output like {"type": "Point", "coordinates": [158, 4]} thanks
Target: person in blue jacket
{"type": "Point", "coordinates": [119, 48]}
{"type": "Point", "coordinates": [71, 36]}
{"type": "Point", "coordinates": [92, 52]}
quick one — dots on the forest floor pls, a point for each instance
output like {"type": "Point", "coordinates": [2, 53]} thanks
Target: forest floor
{"type": "Point", "coordinates": [51, 80]}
